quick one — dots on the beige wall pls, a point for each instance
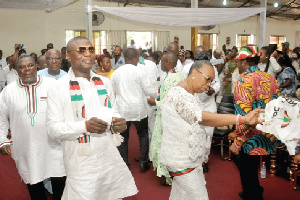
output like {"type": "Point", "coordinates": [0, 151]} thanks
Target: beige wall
{"type": "Point", "coordinates": [37, 28]}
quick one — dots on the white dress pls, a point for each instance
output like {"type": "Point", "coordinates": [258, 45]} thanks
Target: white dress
{"type": "Point", "coordinates": [183, 143]}
{"type": "Point", "coordinates": [101, 175]}
{"type": "Point", "coordinates": [23, 110]}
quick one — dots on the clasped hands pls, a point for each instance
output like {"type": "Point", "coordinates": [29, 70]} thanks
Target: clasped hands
{"type": "Point", "coordinates": [95, 125]}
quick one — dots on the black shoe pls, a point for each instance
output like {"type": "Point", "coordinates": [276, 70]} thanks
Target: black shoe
{"type": "Point", "coordinates": [205, 167]}
{"type": "Point", "coordinates": [144, 166]}
{"type": "Point", "coordinates": [137, 159]}
{"type": "Point", "coordinates": [164, 183]}
{"type": "Point", "coordinates": [241, 194]}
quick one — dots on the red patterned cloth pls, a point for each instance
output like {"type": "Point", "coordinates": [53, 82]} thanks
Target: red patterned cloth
{"type": "Point", "coordinates": [254, 89]}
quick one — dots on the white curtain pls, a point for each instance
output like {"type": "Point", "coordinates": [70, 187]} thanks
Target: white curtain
{"type": "Point", "coordinates": [116, 38]}
{"type": "Point", "coordinates": [188, 17]}
{"type": "Point", "coordinates": [160, 39]}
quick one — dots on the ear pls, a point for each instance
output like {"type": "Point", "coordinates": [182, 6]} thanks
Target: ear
{"type": "Point", "coordinates": [68, 57]}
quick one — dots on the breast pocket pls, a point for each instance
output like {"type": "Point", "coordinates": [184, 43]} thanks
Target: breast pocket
{"type": "Point", "coordinates": [42, 104]}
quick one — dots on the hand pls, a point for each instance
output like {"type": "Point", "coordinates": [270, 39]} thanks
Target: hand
{"type": "Point", "coordinates": [210, 91]}
{"type": "Point", "coordinates": [252, 117]}
{"type": "Point", "coordinates": [234, 149]}
{"type": "Point", "coordinates": [119, 124]}
{"type": "Point", "coordinates": [5, 150]}
{"type": "Point", "coordinates": [95, 125]}
{"type": "Point", "coordinates": [151, 101]}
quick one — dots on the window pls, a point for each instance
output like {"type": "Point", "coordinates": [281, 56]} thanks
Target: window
{"type": "Point", "coordinates": [208, 41]}
{"type": "Point", "coordinates": [141, 39]}
{"type": "Point", "coordinates": [99, 39]}
{"type": "Point", "coordinates": [244, 39]}
{"type": "Point", "coordinates": [276, 39]}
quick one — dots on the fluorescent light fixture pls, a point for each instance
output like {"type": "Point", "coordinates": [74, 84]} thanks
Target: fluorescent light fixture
{"type": "Point", "coordinates": [275, 4]}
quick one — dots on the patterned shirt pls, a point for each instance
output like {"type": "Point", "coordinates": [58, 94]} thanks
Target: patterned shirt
{"type": "Point", "coordinates": [254, 89]}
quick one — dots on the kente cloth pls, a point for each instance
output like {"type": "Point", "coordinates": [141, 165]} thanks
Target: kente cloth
{"type": "Point", "coordinates": [254, 89]}
{"type": "Point", "coordinates": [184, 142]}
{"type": "Point", "coordinates": [282, 119]}
{"type": "Point", "coordinates": [102, 174]}
{"type": "Point", "coordinates": [23, 110]}
{"type": "Point", "coordinates": [172, 80]}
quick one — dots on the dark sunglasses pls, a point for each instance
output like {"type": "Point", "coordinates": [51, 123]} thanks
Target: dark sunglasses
{"type": "Point", "coordinates": [84, 49]}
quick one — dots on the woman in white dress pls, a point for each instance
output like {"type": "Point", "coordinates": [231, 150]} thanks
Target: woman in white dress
{"type": "Point", "coordinates": [184, 138]}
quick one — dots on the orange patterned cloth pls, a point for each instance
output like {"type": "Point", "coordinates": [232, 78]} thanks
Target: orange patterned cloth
{"type": "Point", "coordinates": [254, 89]}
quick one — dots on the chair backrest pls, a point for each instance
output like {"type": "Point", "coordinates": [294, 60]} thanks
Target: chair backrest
{"type": "Point", "coordinates": [226, 105]}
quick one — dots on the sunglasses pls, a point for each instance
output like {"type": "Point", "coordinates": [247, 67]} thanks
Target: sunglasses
{"type": "Point", "coordinates": [82, 50]}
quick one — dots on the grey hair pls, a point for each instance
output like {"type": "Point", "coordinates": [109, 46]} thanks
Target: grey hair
{"type": "Point", "coordinates": [198, 64]}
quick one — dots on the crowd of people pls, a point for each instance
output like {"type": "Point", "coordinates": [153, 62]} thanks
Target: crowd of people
{"type": "Point", "coordinates": [65, 115]}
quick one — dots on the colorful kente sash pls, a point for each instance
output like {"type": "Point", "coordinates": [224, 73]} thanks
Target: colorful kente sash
{"type": "Point", "coordinates": [78, 107]}
{"type": "Point", "coordinates": [181, 172]}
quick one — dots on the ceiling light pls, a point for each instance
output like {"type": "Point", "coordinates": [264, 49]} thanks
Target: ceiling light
{"type": "Point", "coordinates": [275, 4]}
{"type": "Point", "coordinates": [224, 2]}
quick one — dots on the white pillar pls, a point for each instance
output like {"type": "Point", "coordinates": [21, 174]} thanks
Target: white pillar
{"type": "Point", "coordinates": [89, 27]}
{"type": "Point", "coordinates": [262, 29]}
{"type": "Point", "coordinates": [194, 3]}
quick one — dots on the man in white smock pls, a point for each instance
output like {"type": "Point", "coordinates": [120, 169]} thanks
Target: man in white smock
{"type": "Point", "coordinates": [81, 114]}
{"type": "Point", "coordinates": [23, 105]}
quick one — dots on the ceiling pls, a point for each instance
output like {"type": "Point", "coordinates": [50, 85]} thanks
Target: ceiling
{"type": "Point", "coordinates": [35, 4]}
{"type": "Point", "coordinates": [286, 10]}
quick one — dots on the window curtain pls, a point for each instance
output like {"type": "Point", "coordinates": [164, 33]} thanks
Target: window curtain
{"type": "Point", "coordinates": [188, 17]}
{"type": "Point", "coordinates": [116, 38]}
{"type": "Point", "coordinates": [160, 39]}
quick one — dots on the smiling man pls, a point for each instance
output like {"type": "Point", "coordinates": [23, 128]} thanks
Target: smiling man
{"type": "Point", "coordinates": [81, 114]}
{"type": "Point", "coordinates": [53, 61]}
{"type": "Point", "coordinates": [23, 106]}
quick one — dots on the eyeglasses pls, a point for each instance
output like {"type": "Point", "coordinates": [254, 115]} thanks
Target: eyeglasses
{"type": "Point", "coordinates": [208, 79]}
{"type": "Point", "coordinates": [82, 50]}
{"type": "Point", "coordinates": [29, 66]}
{"type": "Point", "coordinates": [52, 59]}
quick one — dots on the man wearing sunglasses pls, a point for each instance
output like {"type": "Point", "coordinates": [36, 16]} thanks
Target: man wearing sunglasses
{"type": "Point", "coordinates": [53, 61]}
{"type": "Point", "coordinates": [81, 113]}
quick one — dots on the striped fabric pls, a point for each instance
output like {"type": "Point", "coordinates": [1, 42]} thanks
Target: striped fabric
{"type": "Point", "coordinates": [181, 172]}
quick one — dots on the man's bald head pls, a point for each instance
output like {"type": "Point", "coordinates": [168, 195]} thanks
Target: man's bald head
{"type": "Point", "coordinates": [73, 40]}
{"type": "Point", "coordinates": [173, 47]}
{"type": "Point", "coordinates": [168, 61]}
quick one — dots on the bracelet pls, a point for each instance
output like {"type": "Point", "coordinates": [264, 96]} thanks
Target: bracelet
{"type": "Point", "coordinates": [238, 120]}
{"type": "Point", "coordinates": [85, 123]}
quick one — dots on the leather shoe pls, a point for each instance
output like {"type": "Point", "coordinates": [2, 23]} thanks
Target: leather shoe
{"type": "Point", "coordinates": [137, 159]}
{"type": "Point", "coordinates": [144, 166]}
{"type": "Point", "coordinates": [205, 167]}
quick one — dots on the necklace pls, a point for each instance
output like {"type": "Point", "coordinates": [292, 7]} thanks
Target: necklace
{"type": "Point", "coordinates": [187, 87]}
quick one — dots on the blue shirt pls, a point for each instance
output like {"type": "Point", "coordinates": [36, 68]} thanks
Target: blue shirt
{"type": "Point", "coordinates": [44, 72]}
